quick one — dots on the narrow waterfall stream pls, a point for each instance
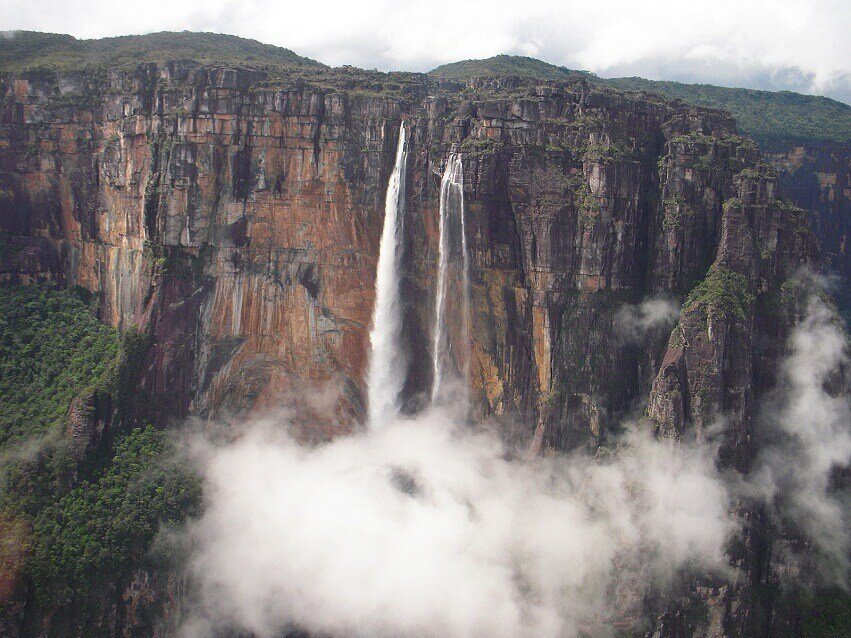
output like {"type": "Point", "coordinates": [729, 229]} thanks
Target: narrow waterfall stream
{"type": "Point", "coordinates": [387, 362]}
{"type": "Point", "coordinates": [451, 367]}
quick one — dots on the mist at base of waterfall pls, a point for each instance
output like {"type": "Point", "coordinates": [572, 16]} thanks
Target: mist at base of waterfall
{"type": "Point", "coordinates": [427, 527]}
{"type": "Point", "coordinates": [431, 526]}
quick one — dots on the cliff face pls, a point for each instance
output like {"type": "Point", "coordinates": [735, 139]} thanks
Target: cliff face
{"type": "Point", "coordinates": [817, 177]}
{"type": "Point", "coordinates": [238, 218]}
{"type": "Point", "coordinates": [240, 227]}
{"type": "Point", "coordinates": [240, 224]}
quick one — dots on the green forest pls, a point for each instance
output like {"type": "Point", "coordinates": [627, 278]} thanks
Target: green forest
{"type": "Point", "coordinates": [78, 514]}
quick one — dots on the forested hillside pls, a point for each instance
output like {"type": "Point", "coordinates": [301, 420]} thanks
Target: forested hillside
{"type": "Point", "coordinates": [83, 489]}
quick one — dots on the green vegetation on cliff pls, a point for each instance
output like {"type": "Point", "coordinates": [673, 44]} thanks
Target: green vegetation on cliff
{"type": "Point", "coordinates": [675, 212]}
{"type": "Point", "coordinates": [75, 514]}
{"type": "Point", "coordinates": [768, 116]}
{"type": "Point", "coordinates": [722, 290]}
{"type": "Point", "coordinates": [45, 54]}
{"type": "Point", "coordinates": [477, 146]}
{"type": "Point", "coordinates": [771, 117]}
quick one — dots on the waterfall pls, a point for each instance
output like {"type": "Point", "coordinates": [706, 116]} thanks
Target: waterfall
{"type": "Point", "coordinates": [387, 363]}
{"type": "Point", "coordinates": [451, 373]}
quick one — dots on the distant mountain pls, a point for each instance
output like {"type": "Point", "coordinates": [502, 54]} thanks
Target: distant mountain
{"type": "Point", "coordinates": [770, 117]}
{"type": "Point", "coordinates": [30, 50]}
{"type": "Point", "coordinates": [508, 65]}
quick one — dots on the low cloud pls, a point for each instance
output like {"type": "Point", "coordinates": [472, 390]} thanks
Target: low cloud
{"type": "Point", "coordinates": [634, 321]}
{"type": "Point", "coordinates": [807, 424]}
{"type": "Point", "coordinates": [26, 451]}
{"type": "Point", "coordinates": [428, 528]}
{"type": "Point", "coordinates": [432, 526]}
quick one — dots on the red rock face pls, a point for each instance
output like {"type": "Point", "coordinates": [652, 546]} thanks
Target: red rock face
{"type": "Point", "coordinates": [240, 225]}
{"type": "Point", "coordinates": [246, 243]}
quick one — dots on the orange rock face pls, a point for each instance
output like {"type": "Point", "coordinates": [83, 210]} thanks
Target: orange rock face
{"type": "Point", "coordinates": [238, 221]}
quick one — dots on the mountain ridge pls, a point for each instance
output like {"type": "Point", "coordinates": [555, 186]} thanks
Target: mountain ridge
{"type": "Point", "coordinates": [504, 64]}
{"type": "Point", "coordinates": [770, 117]}
{"type": "Point", "coordinates": [30, 50]}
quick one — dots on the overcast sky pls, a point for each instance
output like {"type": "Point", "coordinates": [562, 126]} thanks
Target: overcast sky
{"type": "Point", "coordinates": [801, 45]}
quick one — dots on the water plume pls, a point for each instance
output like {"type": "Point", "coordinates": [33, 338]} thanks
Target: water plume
{"type": "Point", "coordinates": [451, 367]}
{"type": "Point", "coordinates": [387, 362]}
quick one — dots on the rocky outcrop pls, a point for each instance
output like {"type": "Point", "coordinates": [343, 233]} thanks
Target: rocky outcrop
{"type": "Point", "coordinates": [720, 360]}
{"type": "Point", "coordinates": [236, 218]}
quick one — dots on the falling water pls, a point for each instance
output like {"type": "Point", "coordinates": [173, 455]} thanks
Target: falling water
{"type": "Point", "coordinates": [450, 372]}
{"type": "Point", "coordinates": [387, 363]}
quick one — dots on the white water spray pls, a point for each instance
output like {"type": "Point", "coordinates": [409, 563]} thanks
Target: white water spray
{"type": "Point", "coordinates": [387, 363]}
{"type": "Point", "coordinates": [451, 372]}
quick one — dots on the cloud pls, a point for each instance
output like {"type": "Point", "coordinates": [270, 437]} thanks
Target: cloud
{"type": "Point", "coordinates": [27, 451]}
{"type": "Point", "coordinates": [429, 528]}
{"type": "Point", "coordinates": [634, 321]}
{"type": "Point", "coordinates": [775, 44]}
{"type": "Point", "coordinates": [807, 423]}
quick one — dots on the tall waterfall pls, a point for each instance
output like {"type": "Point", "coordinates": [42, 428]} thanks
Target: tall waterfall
{"type": "Point", "coordinates": [387, 363]}
{"type": "Point", "coordinates": [451, 369]}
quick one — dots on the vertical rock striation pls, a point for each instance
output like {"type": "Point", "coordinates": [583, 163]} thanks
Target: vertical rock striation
{"type": "Point", "coordinates": [817, 177]}
{"type": "Point", "coordinates": [239, 221]}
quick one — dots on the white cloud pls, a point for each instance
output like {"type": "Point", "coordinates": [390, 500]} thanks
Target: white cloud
{"type": "Point", "coordinates": [808, 426]}
{"type": "Point", "coordinates": [433, 527]}
{"type": "Point", "coordinates": [795, 44]}
{"type": "Point", "coordinates": [426, 528]}
{"type": "Point", "coordinates": [634, 321]}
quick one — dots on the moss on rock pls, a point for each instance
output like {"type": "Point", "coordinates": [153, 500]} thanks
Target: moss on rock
{"type": "Point", "coordinates": [723, 290]}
